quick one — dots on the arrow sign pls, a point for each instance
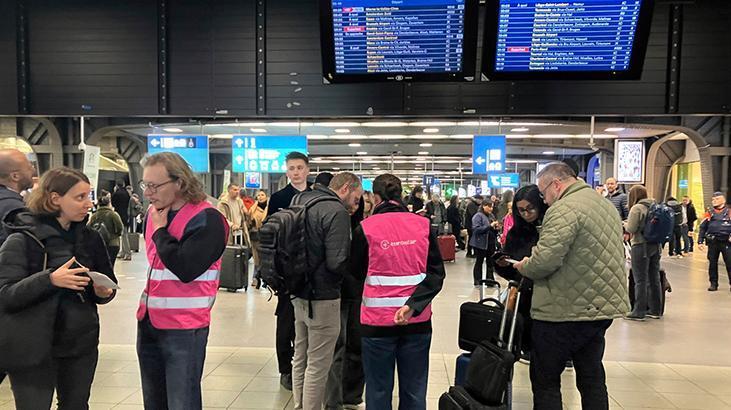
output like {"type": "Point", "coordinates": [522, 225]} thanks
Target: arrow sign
{"type": "Point", "coordinates": [480, 160]}
{"type": "Point", "coordinates": [239, 159]}
{"type": "Point", "coordinates": [239, 142]}
{"type": "Point", "coordinates": [155, 143]}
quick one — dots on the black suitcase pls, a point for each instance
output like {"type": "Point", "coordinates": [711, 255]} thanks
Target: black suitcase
{"type": "Point", "coordinates": [235, 268]}
{"type": "Point", "coordinates": [479, 321]}
{"type": "Point", "coordinates": [665, 286]}
{"type": "Point", "coordinates": [457, 398]}
{"type": "Point", "coordinates": [490, 371]}
{"type": "Point", "coordinates": [134, 241]}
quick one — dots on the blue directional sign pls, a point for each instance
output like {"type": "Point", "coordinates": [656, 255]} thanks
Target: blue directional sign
{"type": "Point", "coordinates": [193, 148]}
{"type": "Point", "coordinates": [488, 154]}
{"type": "Point", "coordinates": [367, 184]}
{"type": "Point", "coordinates": [265, 153]}
{"type": "Point", "coordinates": [508, 180]}
{"type": "Point", "coordinates": [252, 180]}
{"type": "Point", "coordinates": [427, 180]}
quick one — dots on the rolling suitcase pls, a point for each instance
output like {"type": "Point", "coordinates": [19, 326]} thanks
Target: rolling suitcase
{"type": "Point", "coordinates": [457, 398]}
{"type": "Point", "coordinates": [235, 266]}
{"type": "Point", "coordinates": [447, 245]}
{"type": "Point", "coordinates": [460, 369]}
{"type": "Point", "coordinates": [134, 241]}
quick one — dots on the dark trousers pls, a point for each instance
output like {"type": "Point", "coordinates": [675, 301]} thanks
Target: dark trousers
{"type": "Point", "coordinates": [457, 232]}
{"type": "Point", "coordinates": [717, 248]}
{"type": "Point", "coordinates": [285, 334]}
{"type": "Point", "coordinates": [480, 256]}
{"type": "Point", "coordinates": [171, 366]}
{"type": "Point", "coordinates": [690, 240]}
{"type": "Point", "coordinates": [555, 343]}
{"type": "Point", "coordinates": [346, 380]}
{"type": "Point", "coordinates": [71, 378]}
{"type": "Point", "coordinates": [674, 246]}
{"type": "Point", "coordinates": [411, 355]}
{"type": "Point", "coordinates": [686, 238]}
{"type": "Point", "coordinates": [646, 274]}
{"type": "Point", "coordinates": [470, 250]}
{"type": "Point", "coordinates": [113, 251]}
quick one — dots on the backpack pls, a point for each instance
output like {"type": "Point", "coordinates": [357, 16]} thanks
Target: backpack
{"type": "Point", "coordinates": [659, 223]}
{"type": "Point", "coordinates": [100, 228]}
{"type": "Point", "coordinates": [283, 247]}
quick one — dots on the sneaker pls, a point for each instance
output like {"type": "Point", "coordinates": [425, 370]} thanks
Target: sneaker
{"type": "Point", "coordinates": [680, 256]}
{"type": "Point", "coordinates": [713, 288]}
{"type": "Point", "coordinates": [653, 316]}
{"type": "Point", "coordinates": [635, 317]}
{"type": "Point", "coordinates": [286, 381]}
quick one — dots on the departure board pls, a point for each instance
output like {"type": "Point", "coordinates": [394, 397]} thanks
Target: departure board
{"type": "Point", "coordinates": [599, 36]}
{"type": "Point", "coordinates": [399, 39]}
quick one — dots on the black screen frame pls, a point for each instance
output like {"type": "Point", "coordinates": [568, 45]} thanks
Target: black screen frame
{"type": "Point", "coordinates": [469, 53]}
{"type": "Point", "coordinates": [637, 60]}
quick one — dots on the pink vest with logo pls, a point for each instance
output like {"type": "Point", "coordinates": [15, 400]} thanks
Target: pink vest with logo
{"type": "Point", "coordinates": [398, 245]}
{"type": "Point", "coordinates": [170, 303]}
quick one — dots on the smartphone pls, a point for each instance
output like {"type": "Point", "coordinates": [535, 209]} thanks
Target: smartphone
{"type": "Point", "coordinates": [511, 261]}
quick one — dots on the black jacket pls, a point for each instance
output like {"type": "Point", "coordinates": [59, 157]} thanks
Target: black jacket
{"type": "Point", "coordinates": [416, 203]}
{"type": "Point", "coordinates": [9, 201]}
{"type": "Point", "coordinates": [619, 200]}
{"type": "Point", "coordinates": [678, 209]}
{"type": "Point", "coordinates": [472, 208]}
{"type": "Point", "coordinates": [282, 199]}
{"type": "Point", "coordinates": [454, 218]}
{"type": "Point", "coordinates": [63, 323]}
{"type": "Point", "coordinates": [328, 244]}
{"type": "Point", "coordinates": [424, 293]}
{"type": "Point", "coordinates": [120, 202]}
{"type": "Point", "coordinates": [692, 216]}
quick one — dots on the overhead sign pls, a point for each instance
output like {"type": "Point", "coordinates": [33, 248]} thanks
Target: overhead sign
{"type": "Point", "coordinates": [252, 180]}
{"type": "Point", "coordinates": [367, 184]}
{"type": "Point", "coordinates": [488, 154]}
{"type": "Point", "coordinates": [508, 180]}
{"type": "Point", "coordinates": [193, 148]}
{"type": "Point", "coordinates": [471, 190]}
{"type": "Point", "coordinates": [265, 153]}
{"type": "Point", "coordinates": [91, 165]}
{"type": "Point", "coordinates": [428, 180]}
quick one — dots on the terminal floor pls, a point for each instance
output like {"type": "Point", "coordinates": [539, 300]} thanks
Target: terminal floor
{"type": "Point", "coordinates": [679, 362]}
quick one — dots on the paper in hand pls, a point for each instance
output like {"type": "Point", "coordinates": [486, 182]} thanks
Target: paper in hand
{"type": "Point", "coordinates": [101, 279]}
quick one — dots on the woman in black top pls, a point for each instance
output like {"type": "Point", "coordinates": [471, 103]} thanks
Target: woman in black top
{"type": "Point", "coordinates": [528, 211]}
{"type": "Point", "coordinates": [455, 221]}
{"type": "Point", "coordinates": [47, 297]}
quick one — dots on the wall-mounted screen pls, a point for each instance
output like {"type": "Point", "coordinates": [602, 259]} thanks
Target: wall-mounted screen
{"type": "Point", "coordinates": [193, 148]}
{"type": "Point", "coordinates": [264, 153]}
{"type": "Point", "coordinates": [629, 161]}
{"type": "Point", "coordinates": [590, 39]}
{"type": "Point", "coordinates": [397, 40]}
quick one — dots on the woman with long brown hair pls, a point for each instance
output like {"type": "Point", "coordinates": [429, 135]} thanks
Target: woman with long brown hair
{"type": "Point", "coordinates": [47, 297]}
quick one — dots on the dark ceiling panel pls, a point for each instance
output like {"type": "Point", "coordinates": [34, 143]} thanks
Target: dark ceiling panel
{"type": "Point", "coordinates": [8, 67]}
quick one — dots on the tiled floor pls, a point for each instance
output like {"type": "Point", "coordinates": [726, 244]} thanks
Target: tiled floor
{"type": "Point", "coordinates": [680, 362]}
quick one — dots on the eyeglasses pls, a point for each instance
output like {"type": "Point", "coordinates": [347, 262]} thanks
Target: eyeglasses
{"type": "Point", "coordinates": [144, 186]}
{"type": "Point", "coordinates": [528, 210]}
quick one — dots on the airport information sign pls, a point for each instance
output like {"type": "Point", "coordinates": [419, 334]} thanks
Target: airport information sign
{"type": "Point", "coordinates": [387, 36]}
{"type": "Point", "coordinates": [556, 36]}
{"type": "Point", "coordinates": [252, 180]}
{"type": "Point", "coordinates": [488, 154]}
{"type": "Point", "coordinates": [193, 148]}
{"type": "Point", "coordinates": [264, 153]}
{"type": "Point", "coordinates": [507, 180]}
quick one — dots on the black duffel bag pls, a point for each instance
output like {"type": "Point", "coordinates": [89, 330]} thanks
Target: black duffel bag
{"type": "Point", "coordinates": [479, 321]}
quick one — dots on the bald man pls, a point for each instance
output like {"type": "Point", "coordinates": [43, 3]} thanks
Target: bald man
{"type": "Point", "coordinates": [617, 198]}
{"type": "Point", "coordinates": [16, 175]}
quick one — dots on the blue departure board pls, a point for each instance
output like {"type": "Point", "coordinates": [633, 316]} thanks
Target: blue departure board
{"type": "Point", "coordinates": [569, 36]}
{"type": "Point", "coordinates": [397, 39]}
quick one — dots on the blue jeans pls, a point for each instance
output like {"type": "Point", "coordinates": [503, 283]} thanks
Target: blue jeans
{"type": "Point", "coordinates": [381, 355]}
{"type": "Point", "coordinates": [171, 365]}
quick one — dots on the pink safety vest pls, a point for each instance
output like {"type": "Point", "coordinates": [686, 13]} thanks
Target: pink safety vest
{"type": "Point", "coordinates": [398, 245]}
{"type": "Point", "coordinates": [170, 303]}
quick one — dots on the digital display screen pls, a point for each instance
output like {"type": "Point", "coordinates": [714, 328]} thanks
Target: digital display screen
{"type": "Point", "coordinates": [554, 37]}
{"type": "Point", "coordinates": [264, 153]}
{"type": "Point", "coordinates": [193, 148]}
{"type": "Point", "coordinates": [397, 39]}
{"type": "Point", "coordinates": [507, 180]}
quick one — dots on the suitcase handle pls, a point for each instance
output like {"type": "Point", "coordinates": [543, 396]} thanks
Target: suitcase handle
{"type": "Point", "coordinates": [494, 300]}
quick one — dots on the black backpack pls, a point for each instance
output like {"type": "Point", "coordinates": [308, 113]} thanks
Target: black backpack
{"type": "Point", "coordinates": [103, 231]}
{"type": "Point", "coordinates": [283, 247]}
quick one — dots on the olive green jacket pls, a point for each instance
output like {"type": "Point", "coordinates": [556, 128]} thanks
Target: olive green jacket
{"type": "Point", "coordinates": [578, 265]}
{"type": "Point", "coordinates": [112, 221]}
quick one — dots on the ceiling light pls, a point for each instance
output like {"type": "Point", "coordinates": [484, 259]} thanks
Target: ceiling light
{"type": "Point", "coordinates": [431, 130]}
{"type": "Point", "coordinates": [342, 130]}
{"type": "Point", "coordinates": [221, 136]}
{"type": "Point", "coordinates": [433, 124]}
{"type": "Point", "coordinates": [376, 168]}
{"type": "Point", "coordinates": [336, 168]}
{"type": "Point", "coordinates": [387, 137]}
{"type": "Point", "coordinates": [172, 130]}
{"type": "Point", "coordinates": [354, 144]}
{"type": "Point", "coordinates": [462, 136]}
{"type": "Point", "coordinates": [317, 137]}
{"type": "Point", "coordinates": [614, 129]}
{"type": "Point", "coordinates": [258, 130]}
{"type": "Point", "coordinates": [337, 124]}
{"type": "Point", "coordinates": [522, 129]}
{"type": "Point", "coordinates": [384, 124]}
{"type": "Point", "coordinates": [420, 159]}
{"type": "Point", "coordinates": [423, 152]}
{"type": "Point", "coordinates": [361, 153]}
{"type": "Point", "coordinates": [425, 145]}
{"type": "Point", "coordinates": [237, 124]}
{"type": "Point", "coordinates": [548, 152]}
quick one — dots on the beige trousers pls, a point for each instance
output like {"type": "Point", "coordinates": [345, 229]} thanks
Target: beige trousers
{"type": "Point", "coordinates": [314, 346]}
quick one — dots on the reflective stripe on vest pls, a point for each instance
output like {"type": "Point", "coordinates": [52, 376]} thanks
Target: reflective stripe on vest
{"type": "Point", "coordinates": [200, 302]}
{"type": "Point", "coordinates": [166, 274]}
{"type": "Point", "coordinates": [410, 280]}
{"type": "Point", "coordinates": [385, 302]}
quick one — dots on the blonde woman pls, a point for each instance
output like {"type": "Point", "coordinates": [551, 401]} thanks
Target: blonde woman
{"type": "Point", "coordinates": [257, 214]}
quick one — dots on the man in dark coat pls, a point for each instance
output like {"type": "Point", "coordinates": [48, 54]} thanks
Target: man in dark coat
{"type": "Point", "coordinates": [473, 206]}
{"type": "Point", "coordinates": [120, 203]}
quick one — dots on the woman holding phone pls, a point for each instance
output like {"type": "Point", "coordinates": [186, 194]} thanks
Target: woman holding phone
{"type": "Point", "coordinates": [47, 297]}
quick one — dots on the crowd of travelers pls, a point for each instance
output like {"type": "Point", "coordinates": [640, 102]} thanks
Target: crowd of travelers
{"type": "Point", "coordinates": [354, 273]}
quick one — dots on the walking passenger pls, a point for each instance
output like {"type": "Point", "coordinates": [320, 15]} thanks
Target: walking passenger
{"type": "Point", "coordinates": [399, 259]}
{"type": "Point", "coordinates": [110, 222]}
{"type": "Point", "coordinates": [48, 306]}
{"type": "Point", "coordinates": [185, 237]}
{"type": "Point", "coordinates": [483, 241]}
{"type": "Point", "coordinates": [257, 214]}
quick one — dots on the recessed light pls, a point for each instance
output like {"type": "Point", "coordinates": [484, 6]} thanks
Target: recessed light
{"type": "Point", "coordinates": [433, 124]}
{"type": "Point", "coordinates": [522, 129]}
{"type": "Point", "coordinates": [614, 129]}
{"type": "Point", "coordinates": [425, 145]}
{"type": "Point", "coordinates": [376, 168]}
{"type": "Point", "coordinates": [354, 144]}
{"type": "Point", "coordinates": [423, 152]}
{"type": "Point", "coordinates": [431, 130]}
{"type": "Point", "coordinates": [258, 129]}
{"type": "Point", "coordinates": [342, 130]}
{"type": "Point", "coordinates": [548, 152]}
{"type": "Point", "coordinates": [317, 137]}
{"type": "Point", "coordinates": [384, 124]}
{"type": "Point", "coordinates": [222, 136]}
{"type": "Point", "coordinates": [361, 153]}
{"type": "Point", "coordinates": [172, 130]}
{"type": "Point", "coordinates": [336, 168]}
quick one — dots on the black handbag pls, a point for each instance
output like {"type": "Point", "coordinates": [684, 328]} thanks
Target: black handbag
{"type": "Point", "coordinates": [480, 321]}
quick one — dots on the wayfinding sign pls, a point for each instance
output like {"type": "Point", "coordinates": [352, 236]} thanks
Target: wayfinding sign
{"type": "Point", "coordinates": [488, 154]}
{"type": "Point", "coordinates": [265, 153]}
{"type": "Point", "coordinates": [193, 148]}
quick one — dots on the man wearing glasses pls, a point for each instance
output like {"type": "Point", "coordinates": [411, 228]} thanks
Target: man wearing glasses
{"type": "Point", "coordinates": [579, 287]}
{"type": "Point", "coordinates": [185, 237]}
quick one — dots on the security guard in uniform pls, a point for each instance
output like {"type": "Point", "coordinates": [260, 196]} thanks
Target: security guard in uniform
{"type": "Point", "coordinates": [716, 228]}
